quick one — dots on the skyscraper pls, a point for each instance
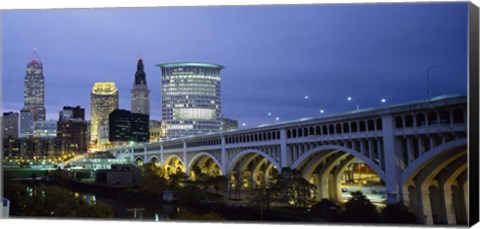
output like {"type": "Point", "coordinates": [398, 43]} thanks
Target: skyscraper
{"type": "Point", "coordinates": [10, 125]}
{"type": "Point", "coordinates": [104, 99]}
{"type": "Point", "coordinates": [191, 102]}
{"type": "Point", "coordinates": [140, 92]}
{"type": "Point", "coordinates": [34, 91]}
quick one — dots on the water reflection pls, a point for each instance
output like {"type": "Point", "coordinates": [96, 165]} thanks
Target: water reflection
{"type": "Point", "coordinates": [134, 209]}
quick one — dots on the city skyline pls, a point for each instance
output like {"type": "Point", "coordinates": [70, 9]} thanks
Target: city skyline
{"type": "Point", "coordinates": [299, 60]}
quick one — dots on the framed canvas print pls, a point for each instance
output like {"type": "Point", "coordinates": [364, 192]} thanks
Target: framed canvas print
{"type": "Point", "coordinates": [305, 114]}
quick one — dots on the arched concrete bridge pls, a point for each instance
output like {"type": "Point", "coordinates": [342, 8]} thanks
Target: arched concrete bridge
{"type": "Point", "coordinates": [418, 149]}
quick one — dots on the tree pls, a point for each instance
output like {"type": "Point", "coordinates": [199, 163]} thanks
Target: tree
{"type": "Point", "coordinates": [51, 201]}
{"type": "Point", "coordinates": [153, 182]}
{"type": "Point", "coordinates": [218, 182]}
{"type": "Point", "coordinates": [398, 213]}
{"type": "Point", "coordinates": [360, 209]}
{"type": "Point", "coordinates": [291, 188]}
{"type": "Point", "coordinates": [176, 180]}
{"type": "Point", "coordinates": [262, 198]}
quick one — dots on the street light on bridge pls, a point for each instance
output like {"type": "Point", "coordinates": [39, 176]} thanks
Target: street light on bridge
{"type": "Point", "coordinates": [349, 98]}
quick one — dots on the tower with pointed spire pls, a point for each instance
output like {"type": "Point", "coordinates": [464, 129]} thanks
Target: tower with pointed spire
{"type": "Point", "coordinates": [140, 92]}
{"type": "Point", "coordinates": [34, 91]}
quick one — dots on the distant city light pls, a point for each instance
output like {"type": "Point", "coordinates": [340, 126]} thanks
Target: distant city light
{"type": "Point", "coordinates": [321, 111]}
{"type": "Point", "coordinates": [349, 98]}
{"type": "Point", "coordinates": [269, 113]}
{"type": "Point", "coordinates": [277, 118]}
{"type": "Point", "coordinates": [306, 97]}
{"type": "Point", "coordinates": [384, 100]}
{"type": "Point", "coordinates": [244, 124]}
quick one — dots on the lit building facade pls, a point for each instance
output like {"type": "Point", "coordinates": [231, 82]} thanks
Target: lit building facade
{"type": "Point", "coordinates": [45, 129]}
{"type": "Point", "coordinates": [104, 99]}
{"type": "Point", "coordinates": [155, 130]}
{"type": "Point", "coordinates": [72, 113]}
{"type": "Point", "coordinates": [140, 92]}
{"type": "Point", "coordinates": [10, 125]}
{"type": "Point", "coordinates": [191, 102]}
{"type": "Point", "coordinates": [26, 123]}
{"type": "Point", "coordinates": [34, 90]}
{"type": "Point", "coordinates": [229, 124]}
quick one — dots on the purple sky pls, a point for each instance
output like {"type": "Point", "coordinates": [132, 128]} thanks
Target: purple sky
{"type": "Point", "coordinates": [274, 55]}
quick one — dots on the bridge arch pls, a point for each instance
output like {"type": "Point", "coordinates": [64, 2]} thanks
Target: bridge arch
{"type": "Point", "coordinates": [423, 160]}
{"type": "Point", "coordinates": [154, 159]}
{"type": "Point", "coordinates": [138, 161]}
{"type": "Point", "coordinates": [239, 155]}
{"type": "Point", "coordinates": [174, 164]}
{"type": "Point", "coordinates": [429, 182]}
{"type": "Point", "coordinates": [370, 163]}
{"type": "Point", "coordinates": [243, 169]}
{"type": "Point", "coordinates": [201, 155]}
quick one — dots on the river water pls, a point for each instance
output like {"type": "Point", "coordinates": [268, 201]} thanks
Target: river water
{"type": "Point", "coordinates": [135, 209]}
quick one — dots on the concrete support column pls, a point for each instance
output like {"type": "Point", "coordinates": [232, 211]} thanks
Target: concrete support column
{"type": "Point", "coordinates": [318, 189]}
{"type": "Point", "coordinates": [362, 147]}
{"type": "Point", "coordinates": [162, 160]}
{"type": "Point", "coordinates": [449, 207]}
{"type": "Point", "coordinates": [294, 151]}
{"type": "Point", "coordinates": [185, 162]}
{"type": "Point", "coordinates": [465, 198]}
{"type": "Point", "coordinates": [323, 186]}
{"type": "Point", "coordinates": [332, 187]}
{"type": "Point", "coordinates": [224, 161]}
{"type": "Point", "coordinates": [391, 160]}
{"type": "Point", "coordinates": [421, 146]}
{"type": "Point", "coordinates": [145, 153]}
{"type": "Point", "coordinates": [410, 154]}
{"type": "Point", "coordinates": [132, 157]}
{"type": "Point", "coordinates": [425, 206]}
{"type": "Point", "coordinates": [432, 142]}
{"type": "Point", "coordinates": [405, 198]}
{"type": "Point", "coordinates": [370, 149]}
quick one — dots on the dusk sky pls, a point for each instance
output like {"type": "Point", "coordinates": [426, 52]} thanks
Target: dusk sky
{"type": "Point", "coordinates": [274, 56]}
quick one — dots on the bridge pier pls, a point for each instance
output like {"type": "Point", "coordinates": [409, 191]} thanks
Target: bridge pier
{"type": "Point", "coordinates": [390, 158]}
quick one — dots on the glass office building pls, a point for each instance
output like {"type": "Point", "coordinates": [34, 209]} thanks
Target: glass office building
{"type": "Point", "coordinates": [191, 102]}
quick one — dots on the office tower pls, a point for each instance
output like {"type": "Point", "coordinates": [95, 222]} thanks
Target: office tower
{"type": "Point", "coordinates": [140, 92]}
{"type": "Point", "coordinates": [191, 102]}
{"type": "Point", "coordinates": [140, 127]}
{"type": "Point", "coordinates": [126, 127]}
{"type": "Point", "coordinates": [104, 100]}
{"type": "Point", "coordinates": [34, 91]}
{"type": "Point", "coordinates": [120, 127]}
{"type": "Point", "coordinates": [10, 125]}
{"type": "Point", "coordinates": [26, 123]}
{"type": "Point", "coordinates": [72, 130]}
